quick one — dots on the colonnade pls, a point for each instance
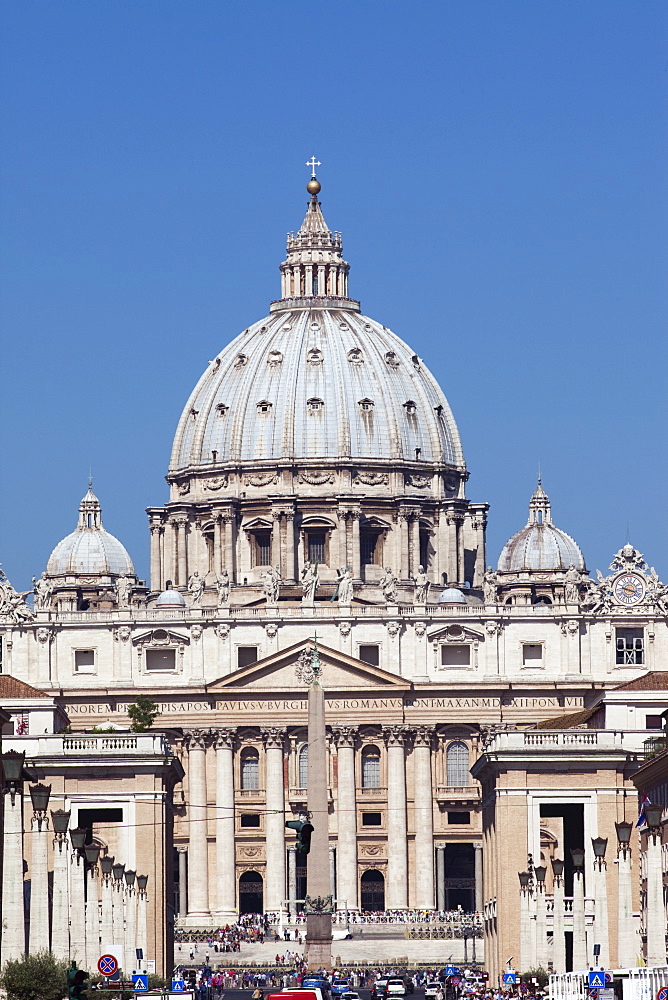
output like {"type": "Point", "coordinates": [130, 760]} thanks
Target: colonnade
{"type": "Point", "coordinates": [184, 539]}
{"type": "Point", "coordinates": [212, 896]}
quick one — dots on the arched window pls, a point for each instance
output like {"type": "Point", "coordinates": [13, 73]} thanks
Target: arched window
{"type": "Point", "coordinates": [303, 766]}
{"type": "Point", "coordinates": [250, 769]}
{"type": "Point", "coordinates": [457, 764]}
{"type": "Point", "coordinates": [371, 767]}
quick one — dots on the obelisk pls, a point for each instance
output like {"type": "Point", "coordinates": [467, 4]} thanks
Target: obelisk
{"type": "Point", "coordinates": [319, 901]}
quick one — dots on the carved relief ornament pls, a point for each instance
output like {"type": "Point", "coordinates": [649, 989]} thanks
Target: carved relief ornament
{"type": "Point", "coordinates": [260, 479]}
{"type": "Point", "coordinates": [315, 478]}
{"type": "Point", "coordinates": [371, 478]}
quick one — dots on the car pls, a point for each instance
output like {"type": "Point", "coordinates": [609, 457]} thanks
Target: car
{"type": "Point", "coordinates": [351, 995]}
{"type": "Point", "coordinates": [432, 990]}
{"type": "Point", "coordinates": [339, 987]}
{"type": "Point", "coordinates": [379, 989]}
{"type": "Point", "coordinates": [396, 988]}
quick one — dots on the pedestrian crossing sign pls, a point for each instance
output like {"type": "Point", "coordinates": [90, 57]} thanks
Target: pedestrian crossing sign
{"type": "Point", "coordinates": [597, 981]}
{"type": "Point", "coordinates": [510, 979]}
{"type": "Point", "coordinates": [178, 986]}
{"type": "Point", "coordinates": [140, 982]}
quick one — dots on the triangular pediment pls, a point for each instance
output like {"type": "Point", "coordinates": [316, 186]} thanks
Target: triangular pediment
{"type": "Point", "coordinates": [455, 633]}
{"type": "Point", "coordinates": [340, 672]}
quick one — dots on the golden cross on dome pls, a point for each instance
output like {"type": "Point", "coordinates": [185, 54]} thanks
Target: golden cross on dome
{"type": "Point", "coordinates": [313, 163]}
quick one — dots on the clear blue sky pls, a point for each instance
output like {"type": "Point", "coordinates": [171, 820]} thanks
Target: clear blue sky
{"type": "Point", "coordinates": [497, 168]}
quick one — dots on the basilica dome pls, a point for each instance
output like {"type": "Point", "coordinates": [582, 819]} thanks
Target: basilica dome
{"type": "Point", "coordinates": [316, 380]}
{"type": "Point", "coordinates": [540, 546]}
{"type": "Point", "coordinates": [89, 550]}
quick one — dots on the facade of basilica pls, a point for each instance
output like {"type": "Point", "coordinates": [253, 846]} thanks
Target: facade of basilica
{"type": "Point", "coordinates": [318, 493]}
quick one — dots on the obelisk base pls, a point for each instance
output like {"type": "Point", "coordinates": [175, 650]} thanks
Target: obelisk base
{"type": "Point", "coordinates": [319, 941]}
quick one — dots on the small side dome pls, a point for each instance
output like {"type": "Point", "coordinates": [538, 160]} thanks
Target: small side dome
{"type": "Point", "coordinates": [89, 550]}
{"type": "Point", "coordinates": [451, 596]}
{"type": "Point", "coordinates": [540, 546]}
{"type": "Point", "coordinates": [170, 599]}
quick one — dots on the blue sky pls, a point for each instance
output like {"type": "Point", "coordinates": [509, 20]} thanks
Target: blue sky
{"type": "Point", "coordinates": [497, 168]}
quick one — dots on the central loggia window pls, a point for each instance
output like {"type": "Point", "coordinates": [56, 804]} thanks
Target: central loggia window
{"type": "Point", "coordinates": [371, 767]}
{"type": "Point", "coordinates": [630, 647]}
{"type": "Point", "coordinates": [457, 765]}
{"type": "Point", "coordinates": [250, 770]}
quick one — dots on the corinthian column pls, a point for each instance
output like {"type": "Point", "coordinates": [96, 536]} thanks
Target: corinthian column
{"type": "Point", "coordinates": [60, 921]}
{"type": "Point", "coordinates": [275, 824]}
{"type": "Point", "coordinates": [39, 878]}
{"type": "Point", "coordinates": [346, 849]}
{"type": "Point", "coordinates": [396, 894]}
{"type": "Point", "coordinates": [424, 820]}
{"type": "Point", "coordinates": [225, 860]}
{"type": "Point", "coordinates": [198, 883]}
{"type": "Point", "coordinates": [13, 912]}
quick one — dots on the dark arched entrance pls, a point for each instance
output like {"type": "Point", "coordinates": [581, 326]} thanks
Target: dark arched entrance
{"type": "Point", "coordinates": [251, 895]}
{"type": "Point", "coordinates": [373, 890]}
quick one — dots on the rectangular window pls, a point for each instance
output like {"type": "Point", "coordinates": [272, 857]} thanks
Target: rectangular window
{"type": "Point", "coordinates": [630, 647]}
{"type": "Point", "coordinates": [653, 722]}
{"type": "Point", "coordinates": [262, 549]}
{"type": "Point", "coordinates": [532, 654]}
{"type": "Point", "coordinates": [368, 545]}
{"type": "Point", "coordinates": [249, 819]}
{"type": "Point", "coordinates": [459, 819]}
{"type": "Point", "coordinates": [316, 547]}
{"type": "Point", "coordinates": [372, 819]}
{"type": "Point", "coordinates": [246, 655]}
{"type": "Point", "coordinates": [424, 549]}
{"type": "Point", "coordinates": [370, 655]}
{"type": "Point", "coordinates": [161, 659]}
{"type": "Point", "coordinates": [456, 656]}
{"type": "Point", "coordinates": [84, 661]}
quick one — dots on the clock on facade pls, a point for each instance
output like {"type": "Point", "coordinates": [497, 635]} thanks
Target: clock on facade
{"type": "Point", "coordinates": [629, 589]}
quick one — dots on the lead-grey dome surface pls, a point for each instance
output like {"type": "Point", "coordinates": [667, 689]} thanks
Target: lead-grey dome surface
{"type": "Point", "coordinates": [316, 383]}
{"type": "Point", "coordinates": [89, 550]}
{"type": "Point", "coordinates": [540, 547]}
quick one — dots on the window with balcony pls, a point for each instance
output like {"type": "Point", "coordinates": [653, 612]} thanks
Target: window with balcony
{"type": "Point", "coordinates": [303, 766]}
{"type": "Point", "coordinates": [369, 548]}
{"type": "Point", "coordinates": [630, 647]}
{"type": "Point", "coordinates": [250, 770]}
{"type": "Point", "coordinates": [315, 544]}
{"type": "Point", "coordinates": [457, 764]}
{"type": "Point", "coordinates": [371, 767]}
{"type": "Point", "coordinates": [261, 548]}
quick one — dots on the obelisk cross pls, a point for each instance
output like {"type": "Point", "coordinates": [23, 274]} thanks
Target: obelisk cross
{"type": "Point", "coordinates": [313, 163]}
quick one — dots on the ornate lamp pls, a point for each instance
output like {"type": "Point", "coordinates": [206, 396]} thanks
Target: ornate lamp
{"type": "Point", "coordinates": [653, 816]}
{"type": "Point", "coordinates": [118, 870]}
{"type": "Point", "coordinates": [141, 882]}
{"type": "Point", "coordinates": [599, 844]}
{"type": "Point", "coordinates": [540, 872]}
{"type": "Point", "coordinates": [61, 820]}
{"type": "Point", "coordinates": [130, 878]}
{"type": "Point", "coordinates": [578, 856]}
{"type": "Point", "coordinates": [623, 833]}
{"type": "Point", "coordinates": [40, 797]}
{"type": "Point", "coordinates": [106, 864]}
{"type": "Point", "coordinates": [78, 838]}
{"type": "Point", "coordinates": [12, 766]}
{"type": "Point", "coordinates": [525, 879]}
{"type": "Point", "coordinates": [92, 852]}
{"type": "Point", "coordinates": [557, 867]}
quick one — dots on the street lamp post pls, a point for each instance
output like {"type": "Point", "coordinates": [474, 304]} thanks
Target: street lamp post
{"type": "Point", "coordinates": [13, 907]}
{"type": "Point", "coordinates": [558, 937]}
{"type": "Point", "coordinates": [130, 919]}
{"type": "Point", "coordinates": [541, 917]}
{"type": "Point", "coordinates": [78, 897]}
{"type": "Point", "coordinates": [107, 929]}
{"type": "Point", "coordinates": [627, 945]}
{"type": "Point", "coordinates": [118, 920]}
{"type": "Point", "coordinates": [579, 933]}
{"type": "Point", "coordinates": [656, 907]}
{"type": "Point", "coordinates": [142, 915]}
{"type": "Point", "coordinates": [526, 894]}
{"type": "Point", "coordinates": [60, 913]}
{"type": "Point", "coordinates": [38, 935]}
{"type": "Point", "coordinates": [599, 845]}
{"type": "Point", "coordinates": [92, 854]}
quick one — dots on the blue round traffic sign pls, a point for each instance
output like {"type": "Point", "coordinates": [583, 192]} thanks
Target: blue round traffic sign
{"type": "Point", "coordinates": [107, 965]}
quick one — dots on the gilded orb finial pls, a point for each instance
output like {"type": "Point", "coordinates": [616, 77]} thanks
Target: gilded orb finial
{"type": "Point", "coordinates": [313, 186]}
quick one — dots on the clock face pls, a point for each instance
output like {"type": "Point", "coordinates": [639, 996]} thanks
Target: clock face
{"type": "Point", "coordinates": [629, 589]}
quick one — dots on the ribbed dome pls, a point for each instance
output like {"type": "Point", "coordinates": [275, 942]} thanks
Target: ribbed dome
{"type": "Point", "coordinates": [316, 383]}
{"type": "Point", "coordinates": [89, 550]}
{"type": "Point", "coordinates": [540, 546]}
{"type": "Point", "coordinates": [451, 596]}
{"type": "Point", "coordinates": [170, 599]}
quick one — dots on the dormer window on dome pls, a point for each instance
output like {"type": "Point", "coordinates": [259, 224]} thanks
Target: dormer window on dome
{"type": "Point", "coordinates": [221, 409]}
{"type": "Point", "coordinates": [315, 404]}
{"type": "Point", "coordinates": [366, 404]}
{"type": "Point", "coordinates": [264, 406]}
{"type": "Point", "coordinates": [410, 406]}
